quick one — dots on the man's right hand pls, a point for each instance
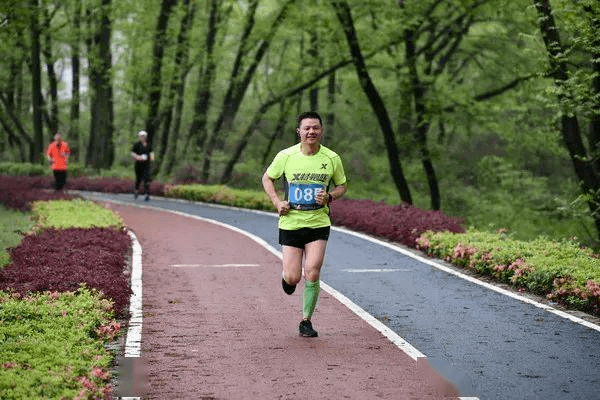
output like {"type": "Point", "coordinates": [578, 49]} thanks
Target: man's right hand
{"type": "Point", "coordinates": [283, 207]}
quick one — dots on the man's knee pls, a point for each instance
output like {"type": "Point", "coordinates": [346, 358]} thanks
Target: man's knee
{"type": "Point", "coordinates": [312, 274]}
{"type": "Point", "coordinates": [292, 277]}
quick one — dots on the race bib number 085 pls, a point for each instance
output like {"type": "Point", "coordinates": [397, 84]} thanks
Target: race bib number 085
{"type": "Point", "coordinates": [304, 194]}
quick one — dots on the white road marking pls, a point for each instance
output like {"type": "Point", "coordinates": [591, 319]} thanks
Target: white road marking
{"type": "Point", "coordinates": [376, 270]}
{"type": "Point", "coordinates": [134, 332]}
{"type": "Point", "coordinates": [214, 265]}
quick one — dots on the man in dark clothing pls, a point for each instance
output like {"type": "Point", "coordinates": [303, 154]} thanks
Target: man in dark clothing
{"type": "Point", "coordinates": [142, 154]}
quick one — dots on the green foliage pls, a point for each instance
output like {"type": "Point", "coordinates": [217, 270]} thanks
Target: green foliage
{"type": "Point", "coordinates": [23, 169]}
{"type": "Point", "coordinates": [74, 214]}
{"type": "Point", "coordinates": [52, 345]}
{"type": "Point", "coordinates": [13, 224]}
{"type": "Point", "coordinates": [560, 270]}
{"type": "Point", "coordinates": [221, 194]}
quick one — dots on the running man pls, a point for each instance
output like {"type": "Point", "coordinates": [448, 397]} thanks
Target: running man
{"type": "Point", "coordinates": [142, 153]}
{"type": "Point", "coordinates": [313, 177]}
{"type": "Point", "coordinates": [58, 153]}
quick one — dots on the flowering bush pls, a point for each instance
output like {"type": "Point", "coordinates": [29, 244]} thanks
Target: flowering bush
{"type": "Point", "coordinates": [562, 271]}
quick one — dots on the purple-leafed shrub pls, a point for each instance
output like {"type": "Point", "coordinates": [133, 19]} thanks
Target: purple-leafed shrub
{"type": "Point", "coordinates": [401, 223]}
{"type": "Point", "coordinates": [60, 260]}
{"type": "Point", "coordinates": [18, 192]}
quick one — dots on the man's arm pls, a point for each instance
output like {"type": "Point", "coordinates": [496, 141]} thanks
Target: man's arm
{"type": "Point", "coordinates": [337, 192]}
{"type": "Point", "coordinates": [283, 207]}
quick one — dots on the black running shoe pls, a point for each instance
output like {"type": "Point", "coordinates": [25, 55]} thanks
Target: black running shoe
{"type": "Point", "coordinates": [306, 329]}
{"type": "Point", "coordinates": [289, 289]}
{"type": "Point", "coordinates": [147, 198]}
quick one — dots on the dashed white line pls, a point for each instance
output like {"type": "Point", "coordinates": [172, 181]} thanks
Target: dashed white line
{"type": "Point", "coordinates": [214, 265]}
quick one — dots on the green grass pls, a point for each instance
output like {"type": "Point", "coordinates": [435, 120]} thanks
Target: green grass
{"type": "Point", "coordinates": [77, 213]}
{"type": "Point", "coordinates": [13, 224]}
{"type": "Point", "coordinates": [50, 345]}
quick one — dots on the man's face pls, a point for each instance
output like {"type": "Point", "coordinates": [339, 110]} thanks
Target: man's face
{"type": "Point", "coordinates": [310, 131]}
{"type": "Point", "coordinates": [58, 137]}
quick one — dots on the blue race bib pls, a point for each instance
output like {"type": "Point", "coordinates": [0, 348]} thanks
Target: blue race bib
{"type": "Point", "coordinates": [303, 196]}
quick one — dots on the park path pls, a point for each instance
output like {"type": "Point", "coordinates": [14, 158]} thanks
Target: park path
{"type": "Point", "coordinates": [217, 325]}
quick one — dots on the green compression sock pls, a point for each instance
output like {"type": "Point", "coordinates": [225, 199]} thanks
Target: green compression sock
{"type": "Point", "coordinates": [311, 295]}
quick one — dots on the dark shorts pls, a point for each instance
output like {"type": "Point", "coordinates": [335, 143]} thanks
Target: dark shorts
{"type": "Point", "coordinates": [300, 237]}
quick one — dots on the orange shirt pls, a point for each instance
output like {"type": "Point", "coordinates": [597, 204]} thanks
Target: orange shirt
{"type": "Point", "coordinates": [59, 154]}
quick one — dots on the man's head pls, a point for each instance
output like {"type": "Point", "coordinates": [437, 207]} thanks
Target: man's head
{"type": "Point", "coordinates": [58, 137]}
{"type": "Point", "coordinates": [143, 135]}
{"type": "Point", "coordinates": [310, 128]}
{"type": "Point", "coordinates": [311, 115]}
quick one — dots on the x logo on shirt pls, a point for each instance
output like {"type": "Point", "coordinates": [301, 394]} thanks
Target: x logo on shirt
{"type": "Point", "coordinates": [323, 166]}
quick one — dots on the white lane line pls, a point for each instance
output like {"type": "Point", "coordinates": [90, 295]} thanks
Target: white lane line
{"type": "Point", "coordinates": [376, 270]}
{"type": "Point", "coordinates": [134, 332]}
{"type": "Point", "coordinates": [375, 323]}
{"type": "Point", "coordinates": [214, 265]}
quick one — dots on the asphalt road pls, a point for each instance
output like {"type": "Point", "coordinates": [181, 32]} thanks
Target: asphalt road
{"type": "Point", "coordinates": [489, 344]}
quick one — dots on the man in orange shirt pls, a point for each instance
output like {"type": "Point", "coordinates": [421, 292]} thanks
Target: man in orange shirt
{"type": "Point", "coordinates": [58, 154]}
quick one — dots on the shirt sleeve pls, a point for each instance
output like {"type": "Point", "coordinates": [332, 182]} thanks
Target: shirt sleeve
{"type": "Point", "coordinates": [339, 177]}
{"type": "Point", "coordinates": [277, 167]}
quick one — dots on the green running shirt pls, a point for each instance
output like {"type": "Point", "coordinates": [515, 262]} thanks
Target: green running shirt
{"type": "Point", "coordinates": [304, 176]}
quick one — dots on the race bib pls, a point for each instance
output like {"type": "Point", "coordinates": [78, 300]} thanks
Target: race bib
{"type": "Point", "coordinates": [303, 196]}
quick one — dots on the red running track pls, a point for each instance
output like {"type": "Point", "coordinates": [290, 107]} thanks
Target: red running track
{"type": "Point", "coordinates": [217, 325]}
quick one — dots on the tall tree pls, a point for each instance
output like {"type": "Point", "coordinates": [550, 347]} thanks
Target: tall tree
{"type": "Point", "coordinates": [36, 84]}
{"type": "Point", "coordinates": [587, 167]}
{"type": "Point", "coordinates": [160, 39]}
{"type": "Point", "coordinates": [344, 16]}
{"type": "Point", "coordinates": [100, 151]}
{"type": "Point", "coordinates": [52, 110]}
{"type": "Point", "coordinates": [74, 114]}
{"type": "Point", "coordinates": [241, 76]}
{"type": "Point", "coordinates": [175, 95]}
{"type": "Point", "coordinates": [207, 70]}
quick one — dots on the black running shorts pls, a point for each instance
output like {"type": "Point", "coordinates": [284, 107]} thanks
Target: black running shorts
{"type": "Point", "coordinates": [300, 237]}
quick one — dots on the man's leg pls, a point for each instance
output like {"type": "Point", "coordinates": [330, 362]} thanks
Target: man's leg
{"type": "Point", "coordinates": [60, 178]}
{"type": "Point", "coordinates": [146, 182]}
{"type": "Point", "coordinates": [138, 179]}
{"type": "Point", "coordinates": [314, 256]}
{"type": "Point", "coordinates": [292, 264]}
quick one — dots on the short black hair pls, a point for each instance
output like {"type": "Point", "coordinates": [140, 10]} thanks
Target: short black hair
{"type": "Point", "coordinates": [311, 115]}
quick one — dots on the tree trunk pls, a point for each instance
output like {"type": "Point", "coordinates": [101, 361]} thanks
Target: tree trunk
{"type": "Point", "coordinates": [343, 13]}
{"type": "Point", "coordinates": [197, 130]}
{"type": "Point", "coordinates": [160, 36]}
{"type": "Point", "coordinates": [74, 137]}
{"type": "Point", "coordinates": [51, 73]}
{"type": "Point", "coordinates": [584, 165]}
{"type": "Point", "coordinates": [36, 151]}
{"type": "Point", "coordinates": [422, 125]}
{"type": "Point", "coordinates": [168, 150]}
{"type": "Point", "coordinates": [100, 152]}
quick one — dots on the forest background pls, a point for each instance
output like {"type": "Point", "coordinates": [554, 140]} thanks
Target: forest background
{"type": "Point", "coordinates": [486, 109]}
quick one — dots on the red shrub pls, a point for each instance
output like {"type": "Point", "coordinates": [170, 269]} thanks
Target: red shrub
{"type": "Point", "coordinates": [60, 260]}
{"type": "Point", "coordinates": [402, 223]}
{"type": "Point", "coordinates": [18, 192]}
